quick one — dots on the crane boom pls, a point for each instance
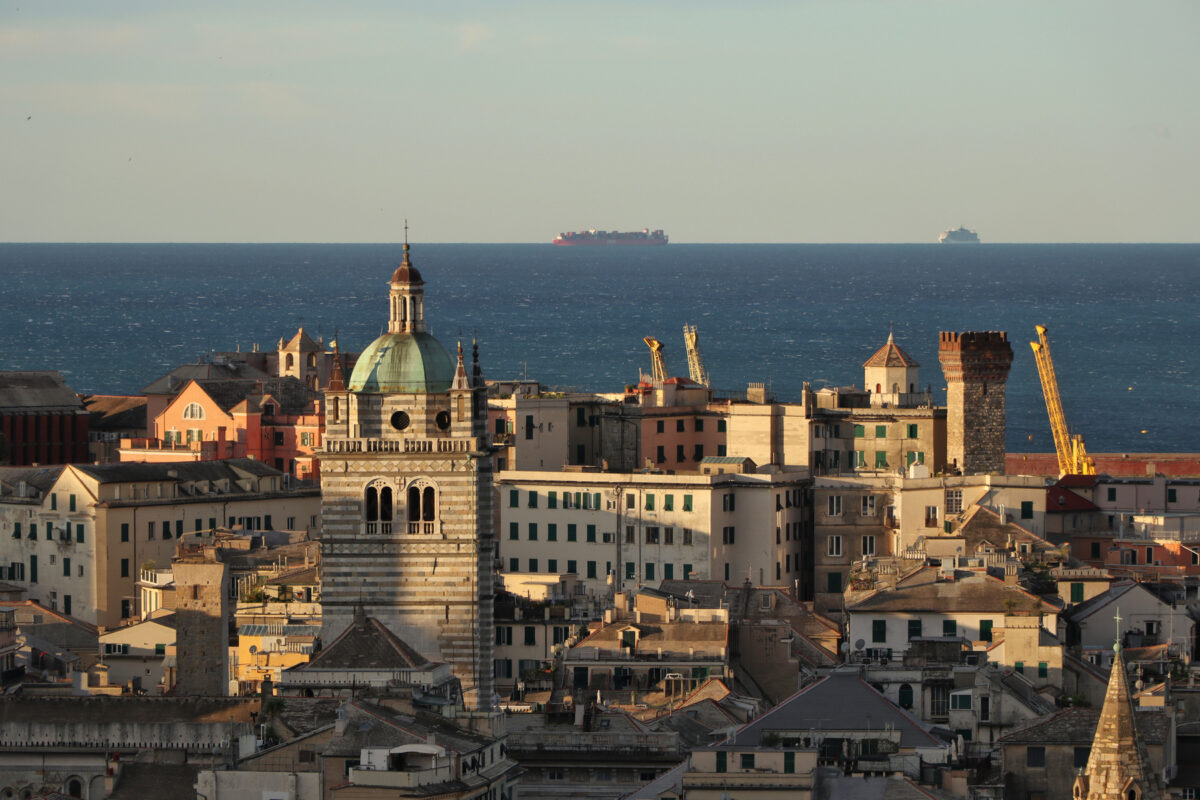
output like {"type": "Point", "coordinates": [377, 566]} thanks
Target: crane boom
{"type": "Point", "coordinates": [656, 358]}
{"type": "Point", "coordinates": [696, 369]}
{"type": "Point", "coordinates": [1072, 455]}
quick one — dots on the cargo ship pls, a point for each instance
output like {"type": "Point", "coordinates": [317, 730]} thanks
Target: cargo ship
{"type": "Point", "coordinates": [959, 236]}
{"type": "Point", "coordinates": [594, 238]}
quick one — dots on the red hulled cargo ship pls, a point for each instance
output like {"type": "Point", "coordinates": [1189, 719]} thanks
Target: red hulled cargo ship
{"type": "Point", "coordinates": [593, 238]}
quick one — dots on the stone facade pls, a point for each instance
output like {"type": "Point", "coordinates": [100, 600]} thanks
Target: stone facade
{"type": "Point", "coordinates": [201, 627]}
{"type": "Point", "coordinates": [407, 507]}
{"type": "Point", "coordinates": [975, 364]}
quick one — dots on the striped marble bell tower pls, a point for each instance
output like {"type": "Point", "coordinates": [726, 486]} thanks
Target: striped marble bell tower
{"type": "Point", "coordinates": [407, 495]}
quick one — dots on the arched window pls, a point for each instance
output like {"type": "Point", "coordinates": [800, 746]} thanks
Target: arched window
{"type": "Point", "coordinates": [74, 788]}
{"type": "Point", "coordinates": [377, 507]}
{"type": "Point", "coordinates": [422, 507]}
{"type": "Point", "coordinates": [290, 361]}
{"type": "Point", "coordinates": [193, 411]}
{"type": "Point", "coordinates": [895, 388]}
{"type": "Point", "coordinates": [312, 360]}
{"type": "Point", "coordinates": [878, 389]}
{"type": "Point", "coordinates": [906, 696]}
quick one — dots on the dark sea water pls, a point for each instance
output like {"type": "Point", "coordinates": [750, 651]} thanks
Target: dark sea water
{"type": "Point", "coordinates": [1124, 320]}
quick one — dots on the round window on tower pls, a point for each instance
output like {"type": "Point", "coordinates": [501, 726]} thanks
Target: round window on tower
{"type": "Point", "coordinates": [400, 420]}
{"type": "Point", "coordinates": [443, 420]}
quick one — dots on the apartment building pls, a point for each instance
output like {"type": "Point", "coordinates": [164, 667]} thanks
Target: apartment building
{"type": "Point", "coordinates": [619, 531]}
{"type": "Point", "coordinates": [77, 537]}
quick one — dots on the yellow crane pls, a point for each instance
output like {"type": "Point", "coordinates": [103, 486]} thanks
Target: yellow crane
{"type": "Point", "coordinates": [1072, 455]}
{"type": "Point", "coordinates": [656, 358]}
{"type": "Point", "coordinates": [696, 369]}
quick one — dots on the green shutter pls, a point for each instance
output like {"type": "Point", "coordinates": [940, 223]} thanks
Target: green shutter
{"type": "Point", "coordinates": [878, 630]}
{"type": "Point", "coordinates": [1076, 592]}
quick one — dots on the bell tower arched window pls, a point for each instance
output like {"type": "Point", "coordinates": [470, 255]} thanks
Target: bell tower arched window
{"type": "Point", "coordinates": [377, 507]}
{"type": "Point", "coordinates": [422, 508]}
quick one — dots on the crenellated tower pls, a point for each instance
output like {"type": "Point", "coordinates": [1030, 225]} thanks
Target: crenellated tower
{"type": "Point", "coordinates": [975, 364]}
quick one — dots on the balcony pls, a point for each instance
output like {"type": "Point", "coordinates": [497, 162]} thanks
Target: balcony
{"type": "Point", "coordinates": [401, 779]}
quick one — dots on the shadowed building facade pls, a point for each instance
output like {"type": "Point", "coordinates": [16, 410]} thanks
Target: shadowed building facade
{"type": "Point", "coordinates": [407, 495]}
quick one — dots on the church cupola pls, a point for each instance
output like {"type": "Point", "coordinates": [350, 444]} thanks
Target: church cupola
{"type": "Point", "coordinates": [407, 298]}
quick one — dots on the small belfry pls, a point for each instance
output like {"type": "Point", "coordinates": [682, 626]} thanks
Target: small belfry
{"type": "Point", "coordinates": [1118, 767]}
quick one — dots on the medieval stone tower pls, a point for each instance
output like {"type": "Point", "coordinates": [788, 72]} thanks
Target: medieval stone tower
{"type": "Point", "coordinates": [407, 495]}
{"type": "Point", "coordinates": [975, 364]}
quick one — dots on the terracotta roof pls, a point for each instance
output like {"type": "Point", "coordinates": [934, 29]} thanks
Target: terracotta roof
{"type": "Point", "coordinates": [924, 592]}
{"type": "Point", "coordinates": [108, 412]}
{"type": "Point", "coordinates": [890, 355]}
{"type": "Point", "coordinates": [302, 342]}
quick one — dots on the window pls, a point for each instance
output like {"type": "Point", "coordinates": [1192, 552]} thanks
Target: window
{"type": "Point", "coordinates": [835, 505]}
{"type": "Point", "coordinates": [1170, 498]}
{"type": "Point", "coordinates": [71, 498]}
{"type": "Point", "coordinates": [649, 570]}
{"type": "Point", "coordinates": [1081, 758]}
{"type": "Point", "coordinates": [1043, 669]}
{"type": "Point", "coordinates": [124, 567]}
{"type": "Point", "coordinates": [669, 501]}
{"type": "Point", "coordinates": [514, 531]}
{"type": "Point", "coordinates": [878, 631]}
{"type": "Point", "coordinates": [16, 534]}
{"type": "Point", "coordinates": [650, 501]}
{"type": "Point", "coordinates": [630, 570]}
{"type": "Point", "coordinates": [880, 459]}
{"type": "Point", "coordinates": [721, 426]}
{"type": "Point", "coordinates": [747, 760]}
{"type": "Point", "coordinates": [660, 426]}
{"type": "Point", "coordinates": [728, 534]}
{"type": "Point", "coordinates": [590, 533]}
{"type": "Point", "coordinates": [699, 425]}
{"type": "Point", "coordinates": [530, 635]}
{"type": "Point", "coordinates": [1035, 756]}
{"type": "Point", "coordinates": [868, 545]}
{"type": "Point", "coordinates": [834, 582]}
{"type": "Point", "coordinates": [906, 696]}
{"type": "Point", "coordinates": [687, 572]}
{"type": "Point", "coordinates": [912, 431]}
{"type": "Point", "coordinates": [66, 565]}
{"type": "Point", "coordinates": [533, 531]}
{"type": "Point", "coordinates": [533, 565]}
{"type": "Point", "coordinates": [914, 629]}
{"type": "Point", "coordinates": [728, 502]}
{"type": "Point", "coordinates": [687, 536]}
{"type": "Point", "coordinates": [53, 501]}
{"type": "Point", "coordinates": [1095, 550]}
{"type": "Point", "coordinates": [868, 505]}
{"type": "Point", "coordinates": [960, 701]}
{"type": "Point", "coordinates": [529, 426]}
{"type": "Point", "coordinates": [1076, 592]}
{"type": "Point", "coordinates": [631, 501]}
{"type": "Point", "coordinates": [1027, 509]}
{"type": "Point", "coordinates": [551, 533]}
{"type": "Point", "coordinates": [514, 498]}
{"type": "Point", "coordinates": [687, 502]}
{"type": "Point", "coordinates": [652, 535]}
{"type": "Point", "coordinates": [551, 499]}
{"type": "Point", "coordinates": [514, 565]}
{"type": "Point", "coordinates": [954, 501]}
{"type": "Point", "coordinates": [33, 529]}
{"type": "Point", "coordinates": [668, 572]}
{"type": "Point", "coordinates": [698, 453]}
{"type": "Point", "coordinates": [931, 516]}
{"type": "Point", "coordinates": [630, 538]}
{"type": "Point", "coordinates": [949, 627]}
{"type": "Point", "coordinates": [834, 545]}
{"type": "Point", "coordinates": [572, 566]}
{"type": "Point", "coordinates": [668, 536]}
{"type": "Point", "coordinates": [985, 630]}
{"type": "Point", "coordinates": [860, 458]}
{"type": "Point", "coordinates": [533, 496]}
{"type": "Point", "coordinates": [580, 416]}
{"type": "Point", "coordinates": [860, 430]}
{"type": "Point", "coordinates": [591, 569]}
{"type": "Point", "coordinates": [721, 451]}
{"type": "Point", "coordinates": [1020, 667]}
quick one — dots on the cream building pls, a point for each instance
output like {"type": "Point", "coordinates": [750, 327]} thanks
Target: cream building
{"type": "Point", "coordinates": [643, 528]}
{"type": "Point", "coordinates": [76, 537]}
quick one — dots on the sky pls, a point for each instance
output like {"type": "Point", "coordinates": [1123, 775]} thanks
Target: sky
{"type": "Point", "coordinates": [799, 121]}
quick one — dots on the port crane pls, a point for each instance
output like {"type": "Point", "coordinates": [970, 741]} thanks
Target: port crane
{"type": "Point", "coordinates": [1072, 455]}
{"type": "Point", "coordinates": [656, 358]}
{"type": "Point", "coordinates": [696, 369]}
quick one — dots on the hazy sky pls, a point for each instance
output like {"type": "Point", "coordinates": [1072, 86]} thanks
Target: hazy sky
{"type": "Point", "coordinates": [498, 121]}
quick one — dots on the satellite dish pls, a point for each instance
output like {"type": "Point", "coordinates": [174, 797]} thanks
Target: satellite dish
{"type": "Point", "coordinates": [845, 647]}
{"type": "Point", "coordinates": [859, 644]}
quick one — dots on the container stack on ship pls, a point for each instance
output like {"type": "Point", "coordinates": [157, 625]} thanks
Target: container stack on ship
{"type": "Point", "coordinates": [592, 238]}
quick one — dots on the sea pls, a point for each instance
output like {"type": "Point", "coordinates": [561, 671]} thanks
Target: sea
{"type": "Point", "coordinates": [1123, 320]}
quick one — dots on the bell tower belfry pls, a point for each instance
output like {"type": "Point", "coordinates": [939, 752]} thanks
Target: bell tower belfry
{"type": "Point", "coordinates": [407, 496]}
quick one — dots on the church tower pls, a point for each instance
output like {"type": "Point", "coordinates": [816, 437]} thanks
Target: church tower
{"type": "Point", "coordinates": [407, 495]}
{"type": "Point", "coordinates": [1118, 767]}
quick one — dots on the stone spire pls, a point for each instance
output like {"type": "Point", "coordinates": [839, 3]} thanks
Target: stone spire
{"type": "Point", "coordinates": [1118, 767]}
{"type": "Point", "coordinates": [337, 380]}
{"type": "Point", "coordinates": [460, 372]}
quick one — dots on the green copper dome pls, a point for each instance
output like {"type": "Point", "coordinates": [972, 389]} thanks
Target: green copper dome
{"type": "Point", "coordinates": [403, 363]}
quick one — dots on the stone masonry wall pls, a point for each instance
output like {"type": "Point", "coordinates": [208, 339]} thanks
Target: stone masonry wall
{"type": "Point", "coordinates": [976, 365]}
